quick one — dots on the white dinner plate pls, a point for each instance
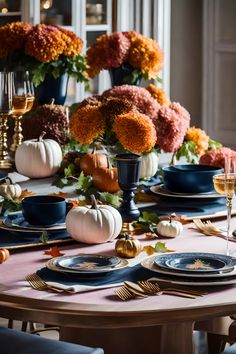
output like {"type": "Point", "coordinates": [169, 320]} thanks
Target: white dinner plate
{"type": "Point", "coordinates": [162, 191]}
{"type": "Point", "coordinates": [148, 263]}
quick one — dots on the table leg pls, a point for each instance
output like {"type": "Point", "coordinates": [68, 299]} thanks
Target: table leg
{"type": "Point", "coordinates": [166, 339]}
{"type": "Point", "coordinates": [177, 338]}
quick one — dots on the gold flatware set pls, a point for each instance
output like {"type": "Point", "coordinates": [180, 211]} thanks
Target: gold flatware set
{"type": "Point", "coordinates": [146, 288]}
{"type": "Point", "coordinates": [207, 227]}
{"type": "Point", "coordinates": [38, 283]}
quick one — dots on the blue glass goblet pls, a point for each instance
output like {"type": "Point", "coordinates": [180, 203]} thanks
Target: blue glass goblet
{"type": "Point", "coordinates": [128, 166]}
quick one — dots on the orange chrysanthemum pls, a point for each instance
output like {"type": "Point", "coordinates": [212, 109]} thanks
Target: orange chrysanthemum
{"type": "Point", "coordinates": [135, 131]}
{"type": "Point", "coordinates": [45, 43]}
{"type": "Point", "coordinates": [13, 36]}
{"type": "Point", "coordinates": [199, 137]}
{"type": "Point", "coordinates": [145, 55]}
{"type": "Point", "coordinates": [159, 94]}
{"type": "Point", "coordinates": [73, 44]}
{"type": "Point", "coordinates": [86, 124]}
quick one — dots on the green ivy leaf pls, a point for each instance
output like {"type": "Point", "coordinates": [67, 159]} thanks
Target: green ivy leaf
{"type": "Point", "coordinates": [83, 182]}
{"type": "Point", "coordinates": [160, 247]}
{"type": "Point", "coordinates": [188, 150]}
{"type": "Point", "coordinates": [149, 217]}
{"type": "Point", "coordinates": [212, 144]}
{"type": "Point", "coordinates": [69, 170]}
{"type": "Point", "coordinates": [44, 237]}
{"type": "Point", "coordinates": [10, 205]}
{"type": "Point", "coordinates": [111, 198]}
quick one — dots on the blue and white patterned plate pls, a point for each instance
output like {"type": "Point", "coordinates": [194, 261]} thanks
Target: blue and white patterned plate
{"type": "Point", "coordinates": [196, 262]}
{"type": "Point", "coordinates": [88, 262]}
{"type": "Point", "coordinates": [18, 222]}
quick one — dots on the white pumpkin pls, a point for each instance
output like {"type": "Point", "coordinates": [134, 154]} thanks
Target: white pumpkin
{"type": "Point", "coordinates": [169, 228]}
{"type": "Point", "coordinates": [149, 165]}
{"type": "Point", "coordinates": [38, 158]}
{"type": "Point", "coordinates": [95, 224]}
{"type": "Point", "coordinates": [10, 190]}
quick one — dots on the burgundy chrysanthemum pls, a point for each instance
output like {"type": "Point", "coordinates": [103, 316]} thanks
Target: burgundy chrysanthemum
{"type": "Point", "coordinates": [171, 126]}
{"type": "Point", "coordinates": [139, 96]}
{"type": "Point", "coordinates": [217, 157]}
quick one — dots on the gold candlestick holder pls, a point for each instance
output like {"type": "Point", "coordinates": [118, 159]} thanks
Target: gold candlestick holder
{"type": "Point", "coordinates": [17, 137]}
{"type": "Point", "coordinates": [4, 161]}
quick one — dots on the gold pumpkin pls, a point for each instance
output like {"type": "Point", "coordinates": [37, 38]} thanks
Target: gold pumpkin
{"type": "Point", "coordinates": [4, 255]}
{"type": "Point", "coordinates": [128, 247]}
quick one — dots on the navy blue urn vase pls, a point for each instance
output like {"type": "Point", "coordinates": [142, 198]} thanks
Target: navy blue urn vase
{"type": "Point", "coordinates": [52, 89]}
{"type": "Point", "coordinates": [123, 75]}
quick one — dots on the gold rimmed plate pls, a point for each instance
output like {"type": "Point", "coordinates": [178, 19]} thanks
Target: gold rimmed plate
{"type": "Point", "coordinates": [161, 190]}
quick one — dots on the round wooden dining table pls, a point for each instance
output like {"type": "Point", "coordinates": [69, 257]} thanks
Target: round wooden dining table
{"type": "Point", "coordinates": [156, 324]}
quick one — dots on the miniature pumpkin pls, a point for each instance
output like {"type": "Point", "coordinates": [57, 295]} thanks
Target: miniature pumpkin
{"type": "Point", "coordinates": [90, 162]}
{"type": "Point", "coordinates": [4, 255]}
{"type": "Point", "coordinates": [9, 189]}
{"type": "Point", "coordinates": [169, 228]}
{"type": "Point", "coordinates": [106, 179]}
{"type": "Point", "coordinates": [128, 247]}
{"type": "Point", "coordinates": [149, 165]}
{"type": "Point", "coordinates": [38, 158]}
{"type": "Point", "coordinates": [98, 224]}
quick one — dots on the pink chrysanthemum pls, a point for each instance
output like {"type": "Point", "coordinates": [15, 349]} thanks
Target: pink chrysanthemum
{"type": "Point", "coordinates": [108, 51]}
{"type": "Point", "coordinates": [45, 43]}
{"type": "Point", "coordinates": [139, 96]}
{"type": "Point", "coordinates": [217, 157]}
{"type": "Point", "coordinates": [171, 126]}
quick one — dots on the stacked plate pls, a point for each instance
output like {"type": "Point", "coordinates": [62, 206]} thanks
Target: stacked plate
{"type": "Point", "coordinates": [87, 265]}
{"type": "Point", "coordinates": [16, 222]}
{"type": "Point", "coordinates": [193, 268]}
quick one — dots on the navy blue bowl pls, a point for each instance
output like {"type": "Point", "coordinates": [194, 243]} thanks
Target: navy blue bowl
{"type": "Point", "coordinates": [190, 178]}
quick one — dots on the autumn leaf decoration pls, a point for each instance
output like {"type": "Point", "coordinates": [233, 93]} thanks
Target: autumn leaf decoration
{"type": "Point", "coordinates": [160, 247]}
{"type": "Point", "coordinates": [54, 252]}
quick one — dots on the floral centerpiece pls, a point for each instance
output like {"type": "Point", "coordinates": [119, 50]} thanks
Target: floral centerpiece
{"type": "Point", "coordinates": [41, 49]}
{"type": "Point", "coordinates": [131, 50]}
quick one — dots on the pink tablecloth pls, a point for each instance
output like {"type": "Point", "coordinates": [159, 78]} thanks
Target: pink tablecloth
{"type": "Point", "coordinates": [20, 264]}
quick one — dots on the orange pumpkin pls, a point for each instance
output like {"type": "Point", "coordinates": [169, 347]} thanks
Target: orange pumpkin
{"type": "Point", "coordinates": [89, 162]}
{"type": "Point", "coordinates": [106, 179]}
{"type": "Point", "coordinates": [4, 255]}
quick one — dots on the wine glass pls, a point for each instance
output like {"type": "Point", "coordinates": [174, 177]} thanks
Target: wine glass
{"type": "Point", "coordinates": [5, 110]}
{"type": "Point", "coordinates": [22, 102]}
{"type": "Point", "coordinates": [224, 184]}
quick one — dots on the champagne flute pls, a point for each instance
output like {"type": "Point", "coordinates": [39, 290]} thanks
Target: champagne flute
{"type": "Point", "coordinates": [224, 184]}
{"type": "Point", "coordinates": [5, 110]}
{"type": "Point", "coordinates": [22, 102]}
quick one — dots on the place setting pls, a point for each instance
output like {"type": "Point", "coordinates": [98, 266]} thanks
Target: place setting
{"type": "Point", "coordinates": [193, 268]}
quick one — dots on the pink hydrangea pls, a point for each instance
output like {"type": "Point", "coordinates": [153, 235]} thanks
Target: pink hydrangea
{"type": "Point", "coordinates": [171, 126]}
{"type": "Point", "coordinates": [139, 96]}
{"type": "Point", "coordinates": [217, 157]}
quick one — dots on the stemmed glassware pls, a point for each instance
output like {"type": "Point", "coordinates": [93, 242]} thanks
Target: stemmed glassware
{"type": "Point", "coordinates": [6, 79]}
{"type": "Point", "coordinates": [224, 184]}
{"type": "Point", "coordinates": [22, 102]}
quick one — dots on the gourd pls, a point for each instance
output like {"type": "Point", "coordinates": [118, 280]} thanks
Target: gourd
{"type": "Point", "coordinates": [4, 255]}
{"type": "Point", "coordinates": [90, 162]}
{"type": "Point", "coordinates": [38, 158]}
{"type": "Point", "coordinates": [169, 228]}
{"type": "Point", "coordinates": [149, 165]}
{"type": "Point", "coordinates": [95, 224]}
{"type": "Point", "coordinates": [106, 179]}
{"type": "Point", "coordinates": [128, 247]}
{"type": "Point", "coordinates": [9, 189]}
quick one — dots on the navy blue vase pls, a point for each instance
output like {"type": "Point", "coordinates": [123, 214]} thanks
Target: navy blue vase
{"type": "Point", "coordinates": [52, 88]}
{"type": "Point", "coordinates": [128, 167]}
{"type": "Point", "coordinates": [119, 75]}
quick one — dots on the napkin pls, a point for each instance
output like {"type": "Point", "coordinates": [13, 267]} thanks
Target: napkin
{"type": "Point", "coordinates": [72, 283]}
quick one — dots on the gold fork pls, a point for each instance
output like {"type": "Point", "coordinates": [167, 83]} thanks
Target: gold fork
{"type": "Point", "coordinates": [207, 228]}
{"type": "Point", "coordinates": [38, 283]}
{"type": "Point", "coordinates": [124, 294]}
{"type": "Point", "coordinates": [154, 289]}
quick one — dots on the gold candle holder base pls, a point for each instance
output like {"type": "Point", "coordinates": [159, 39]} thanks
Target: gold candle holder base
{"type": "Point", "coordinates": [17, 137]}
{"type": "Point", "coordinates": [5, 163]}
{"type": "Point", "coordinates": [127, 228]}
